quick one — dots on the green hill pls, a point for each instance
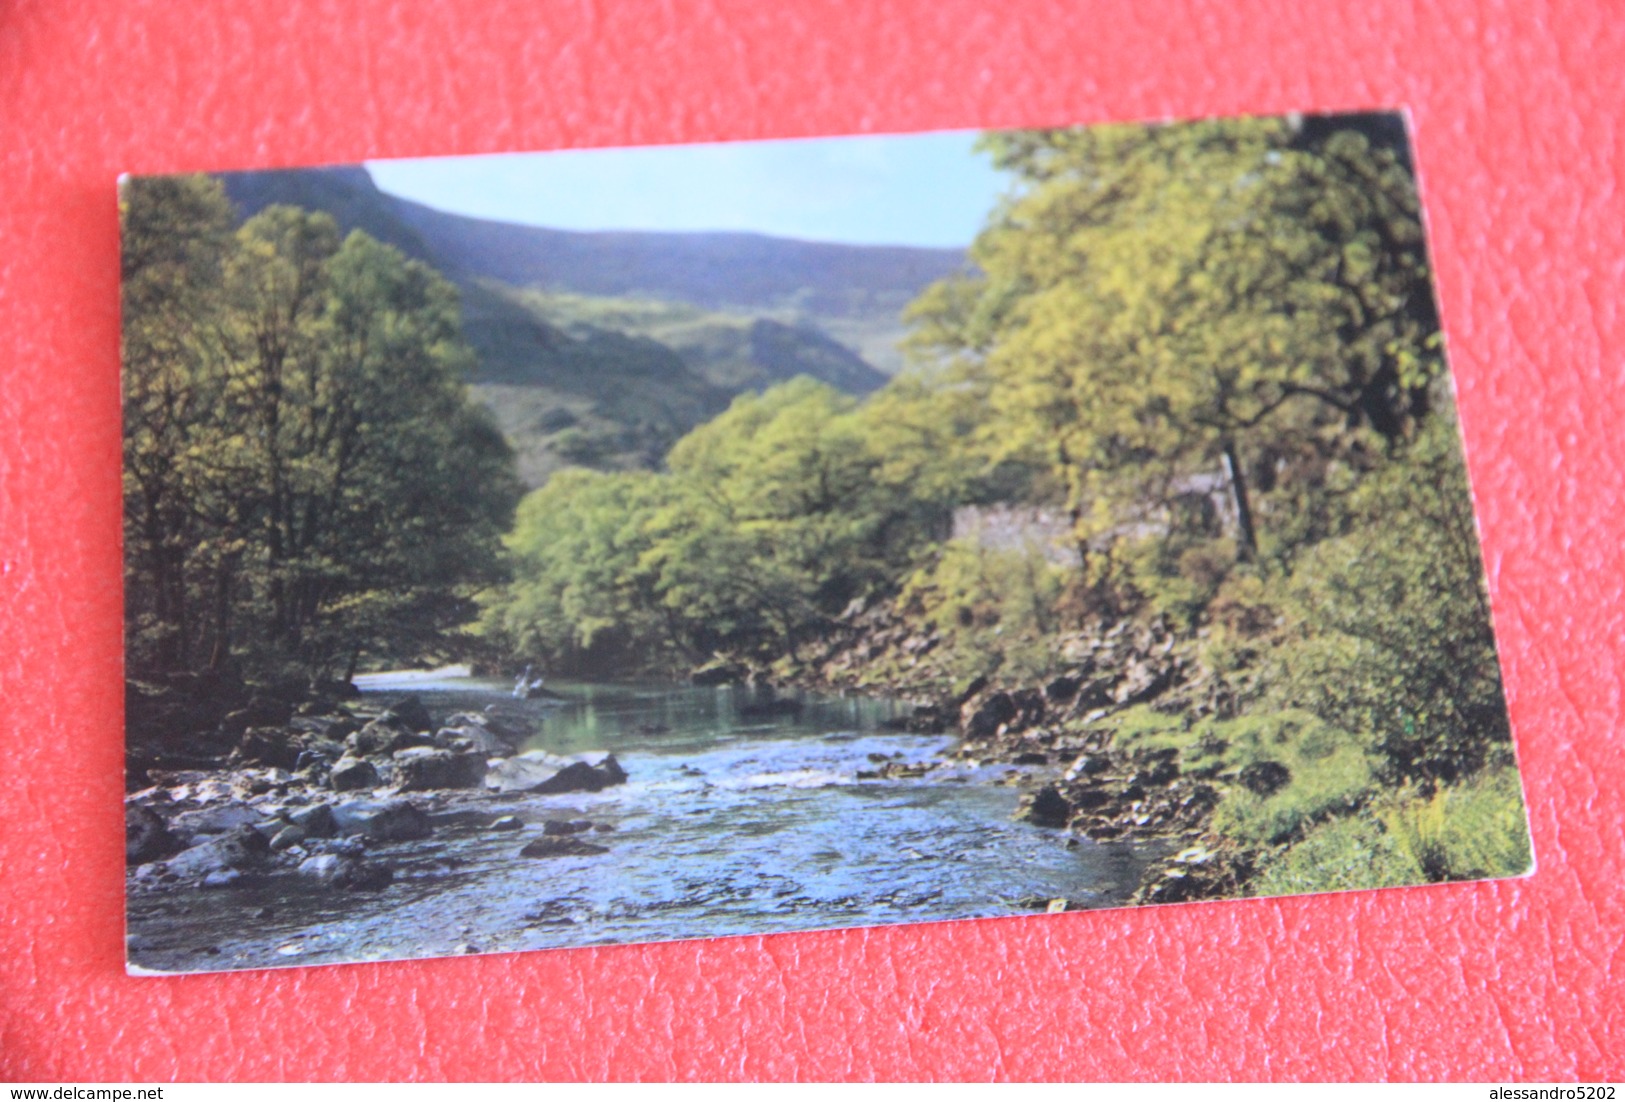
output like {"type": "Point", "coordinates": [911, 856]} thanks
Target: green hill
{"type": "Point", "coordinates": [600, 349]}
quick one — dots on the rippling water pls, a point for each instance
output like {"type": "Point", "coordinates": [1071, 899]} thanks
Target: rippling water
{"type": "Point", "coordinates": [729, 824]}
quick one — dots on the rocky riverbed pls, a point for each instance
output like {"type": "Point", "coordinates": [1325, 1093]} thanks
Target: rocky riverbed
{"type": "Point", "coordinates": [332, 827]}
{"type": "Point", "coordinates": [1077, 782]}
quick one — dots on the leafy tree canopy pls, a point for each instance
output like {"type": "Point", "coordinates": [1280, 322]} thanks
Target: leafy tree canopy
{"type": "Point", "coordinates": [305, 477]}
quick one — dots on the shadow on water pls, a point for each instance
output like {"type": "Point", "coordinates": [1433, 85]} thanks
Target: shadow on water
{"type": "Point", "coordinates": [732, 822]}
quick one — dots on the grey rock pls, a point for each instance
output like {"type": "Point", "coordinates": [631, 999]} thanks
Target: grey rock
{"type": "Point", "coordinates": [316, 822]}
{"type": "Point", "coordinates": [561, 847]}
{"type": "Point", "coordinates": [559, 827]}
{"type": "Point", "coordinates": [1046, 807]}
{"type": "Point", "coordinates": [541, 772]}
{"type": "Point", "coordinates": [423, 768]}
{"type": "Point", "coordinates": [243, 848]}
{"type": "Point", "coordinates": [392, 821]}
{"type": "Point", "coordinates": [352, 774]}
{"type": "Point", "coordinates": [146, 835]}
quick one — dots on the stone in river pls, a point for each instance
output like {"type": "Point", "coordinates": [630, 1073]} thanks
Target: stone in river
{"type": "Point", "coordinates": [243, 848]}
{"type": "Point", "coordinates": [351, 774]}
{"type": "Point", "coordinates": [555, 846]}
{"type": "Point", "coordinates": [340, 871]}
{"type": "Point", "coordinates": [541, 772]}
{"type": "Point", "coordinates": [394, 821]}
{"type": "Point", "coordinates": [424, 768]}
{"type": "Point", "coordinates": [474, 737]}
{"type": "Point", "coordinates": [565, 826]}
{"type": "Point", "coordinates": [1047, 807]}
{"type": "Point", "coordinates": [316, 822]}
{"type": "Point", "coordinates": [507, 822]}
{"type": "Point", "coordinates": [410, 713]}
{"type": "Point", "coordinates": [146, 835]}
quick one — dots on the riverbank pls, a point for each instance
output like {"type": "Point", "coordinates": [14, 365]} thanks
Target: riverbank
{"type": "Point", "coordinates": [1083, 779]}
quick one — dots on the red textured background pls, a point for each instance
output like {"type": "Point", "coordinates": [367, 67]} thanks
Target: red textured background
{"type": "Point", "coordinates": [1516, 109]}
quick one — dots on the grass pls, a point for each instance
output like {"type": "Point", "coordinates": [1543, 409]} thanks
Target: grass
{"type": "Point", "coordinates": [1469, 831]}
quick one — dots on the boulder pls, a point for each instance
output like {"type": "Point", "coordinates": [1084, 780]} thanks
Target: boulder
{"type": "Point", "coordinates": [555, 846]}
{"type": "Point", "coordinates": [287, 838]}
{"type": "Point", "coordinates": [242, 848]}
{"type": "Point", "coordinates": [352, 774]}
{"type": "Point", "coordinates": [146, 835]}
{"type": "Point", "coordinates": [343, 871]}
{"type": "Point", "coordinates": [316, 822]}
{"type": "Point", "coordinates": [605, 763]}
{"type": "Point", "coordinates": [383, 737]}
{"type": "Point", "coordinates": [477, 738]}
{"type": "Point", "coordinates": [965, 689]}
{"type": "Point", "coordinates": [393, 821]}
{"type": "Point", "coordinates": [560, 827]}
{"type": "Point", "coordinates": [410, 713]}
{"type": "Point", "coordinates": [424, 768]}
{"type": "Point", "coordinates": [1087, 765]}
{"type": "Point", "coordinates": [1155, 774]}
{"type": "Point", "coordinates": [1046, 807]}
{"type": "Point", "coordinates": [1089, 799]}
{"type": "Point", "coordinates": [578, 776]}
{"type": "Point", "coordinates": [1029, 706]}
{"type": "Point", "coordinates": [540, 772]}
{"type": "Point", "coordinates": [260, 711]}
{"type": "Point", "coordinates": [274, 746]}
{"type": "Point", "coordinates": [983, 720]}
{"type": "Point", "coordinates": [223, 818]}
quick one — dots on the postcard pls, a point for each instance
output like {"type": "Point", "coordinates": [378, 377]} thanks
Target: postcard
{"type": "Point", "coordinates": [612, 546]}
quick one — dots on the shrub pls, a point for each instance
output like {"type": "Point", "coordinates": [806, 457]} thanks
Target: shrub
{"type": "Point", "coordinates": [1342, 854]}
{"type": "Point", "coordinates": [1467, 831]}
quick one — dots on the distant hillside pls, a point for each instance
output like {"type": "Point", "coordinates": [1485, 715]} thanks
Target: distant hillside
{"type": "Point", "coordinates": [734, 351]}
{"type": "Point", "coordinates": [600, 349]}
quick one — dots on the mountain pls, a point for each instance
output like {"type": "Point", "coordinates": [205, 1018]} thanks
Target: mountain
{"type": "Point", "coordinates": [601, 349]}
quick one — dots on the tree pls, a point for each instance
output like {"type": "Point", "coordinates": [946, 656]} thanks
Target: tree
{"type": "Point", "coordinates": [176, 235]}
{"type": "Point", "coordinates": [1156, 301]}
{"type": "Point", "coordinates": [340, 493]}
{"type": "Point", "coordinates": [1393, 632]}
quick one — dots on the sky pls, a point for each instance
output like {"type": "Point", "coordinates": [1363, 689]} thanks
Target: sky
{"type": "Point", "coordinates": [916, 189]}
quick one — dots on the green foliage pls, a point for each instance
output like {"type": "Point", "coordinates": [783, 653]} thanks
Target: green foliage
{"type": "Point", "coordinates": [999, 609]}
{"type": "Point", "coordinates": [1155, 301]}
{"type": "Point", "coordinates": [770, 520]}
{"type": "Point", "coordinates": [1342, 854]}
{"type": "Point", "coordinates": [305, 478]}
{"type": "Point", "coordinates": [1179, 577]}
{"type": "Point", "coordinates": [1468, 831]}
{"type": "Point", "coordinates": [1394, 632]}
{"type": "Point", "coordinates": [1331, 773]}
{"type": "Point", "coordinates": [580, 592]}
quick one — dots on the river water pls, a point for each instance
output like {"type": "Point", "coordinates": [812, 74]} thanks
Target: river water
{"type": "Point", "coordinates": [730, 823]}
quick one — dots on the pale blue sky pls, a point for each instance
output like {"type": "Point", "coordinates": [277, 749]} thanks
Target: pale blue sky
{"type": "Point", "coordinates": [915, 189]}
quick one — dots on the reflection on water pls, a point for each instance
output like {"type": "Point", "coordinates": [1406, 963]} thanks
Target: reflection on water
{"type": "Point", "coordinates": [732, 822]}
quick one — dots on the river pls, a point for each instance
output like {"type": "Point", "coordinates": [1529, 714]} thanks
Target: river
{"type": "Point", "coordinates": [729, 824]}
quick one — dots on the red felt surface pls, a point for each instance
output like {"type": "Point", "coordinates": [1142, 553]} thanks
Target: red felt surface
{"type": "Point", "coordinates": [1516, 108]}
